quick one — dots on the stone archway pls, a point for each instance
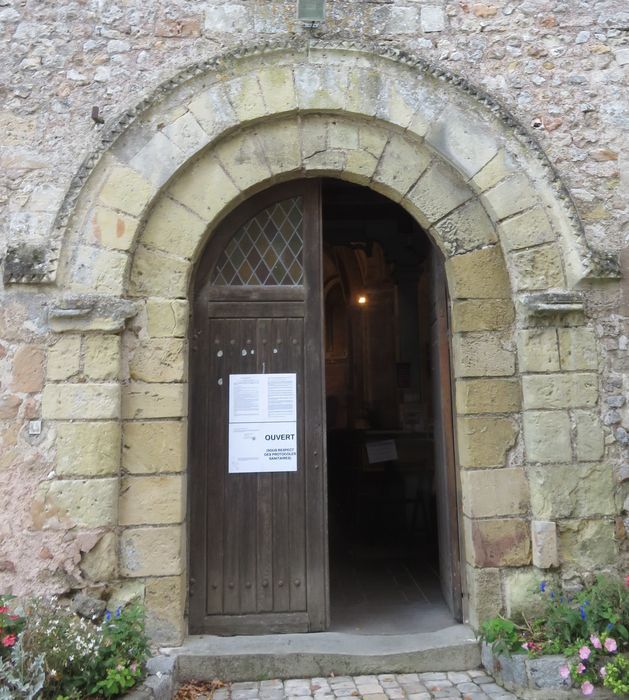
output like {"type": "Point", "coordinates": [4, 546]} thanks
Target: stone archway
{"type": "Point", "coordinates": [525, 384]}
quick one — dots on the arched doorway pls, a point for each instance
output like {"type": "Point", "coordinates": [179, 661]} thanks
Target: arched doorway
{"type": "Point", "coordinates": [259, 517]}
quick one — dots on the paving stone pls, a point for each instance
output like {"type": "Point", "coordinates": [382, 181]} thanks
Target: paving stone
{"type": "Point", "coordinates": [404, 678]}
{"type": "Point", "coordinates": [458, 677]}
{"type": "Point", "coordinates": [419, 696]}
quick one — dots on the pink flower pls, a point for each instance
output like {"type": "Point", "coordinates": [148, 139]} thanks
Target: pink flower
{"type": "Point", "coordinates": [584, 653]}
{"type": "Point", "coordinates": [603, 672]}
{"type": "Point", "coordinates": [587, 688]}
{"type": "Point", "coordinates": [9, 640]}
{"type": "Point", "coordinates": [580, 668]}
{"type": "Point", "coordinates": [525, 646]}
{"type": "Point", "coordinates": [596, 642]}
{"type": "Point", "coordinates": [4, 609]}
{"type": "Point", "coordinates": [627, 581]}
{"type": "Point", "coordinates": [564, 672]}
{"type": "Point", "coordinates": [610, 645]}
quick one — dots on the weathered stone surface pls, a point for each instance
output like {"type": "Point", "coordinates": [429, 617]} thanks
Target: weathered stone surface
{"type": "Point", "coordinates": [278, 89]}
{"type": "Point", "coordinates": [167, 318]}
{"type": "Point", "coordinates": [589, 441]}
{"type": "Point", "coordinates": [164, 600]}
{"type": "Point", "coordinates": [87, 449]}
{"type": "Point", "coordinates": [496, 492]}
{"type": "Point", "coordinates": [483, 441]}
{"type": "Point", "coordinates": [547, 436]}
{"type": "Point", "coordinates": [81, 401]}
{"type": "Point", "coordinates": [173, 228]}
{"type": "Point", "coordinates": [99, 271]}
{"type": "Point", "coordinates": [466, 229]}
{"type": "Point", "coordinates": [544, 672]}
{"type": "Point", "coordinates": [400, 166]}
{"type": "Point", "coordinates": [90, 312]}
{"type": "Point", "coordinates": [538, 268]}
{"type": "Point", "coordinates": [481, 355]}
{"type": "Point", "coordinates": [280, 142]}
{"type": "Point", "coordinates": [151, 551]}
{"type": "Point", "coordinates": [243, 160]}
{"type": "Point", "coordinates": [101, 562]}
{"type": "Point", "coordinates": [495, 543]}
{"type": "Point", "coordinates": [538, 350]}
{"type": "Point", "coordinates": [485, 594]}
{"type": "Point", "coordinates": [158, 446]}
{"type": "Point", "coordinates": [439, 190]}
{"type": "Point", "coordinates": [113, 229]}
{"type": "Point", "coordinates": [141, 400]}
{"type": "Point", "coordinates": [64, 358]}
{"type": "Point", "coordinates": [151, 500]}
{"type": "Point", "coordinates": [488, 395]}
{"type": "Point", "coordinates": [9, 405]}
{"type": "Point", "coordinates": [577, 349]}
{"type": "Point", "coordinates": [101, 357]}
{"type": "Point", "coordinates": [432, 18]}
{"type": "Point", "coordinates": [571, 490]}
{"type": "Point", "coordinates": [172, 282]}
{"type": "Point", "coordinates": [499, 167]}
{"type": "Point", "coordinates": [158, 159]}
{"type": "Point", "coordinates": [524, 230]}
{"type": "Point", "coordinates": [213, 110]}
{"type": "Point", "coordinates": [28, 369]}
{"type": "Point", "coordinates": [126, 190]}
{"type": "Point", "coordinates": [545, 544]}
{"type": "Point", "coordinates": [465, 282]}
{"type": "Point", "coordinates": [482, 315]}
{"type": "Point", "coordinates": [520, 587]}
{"type": "Point", "coordinates": [158, 360]}
{"type": "Point", "coordinates": [560, 390]}
{"type": "Point", "coordinates": [246, 98]}
{"type": "Point", "coordinates": [587, 544]}
{"type": "Point", "coordinates": [68, 503]}
{"type": "Point", "coordinates": [463, 140]}
{"type": "Point", "coordinates": [192, 188]}
{"type": "Point", "coordinates": [513, 195]}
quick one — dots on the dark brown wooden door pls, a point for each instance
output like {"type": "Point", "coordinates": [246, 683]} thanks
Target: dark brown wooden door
{"type": "Point", "coordinates": [258, 541]}
{"type": "Point", "coordinates": [446, 489]}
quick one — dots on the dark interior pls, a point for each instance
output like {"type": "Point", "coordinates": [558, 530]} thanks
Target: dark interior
{"type": "Point", "coordinates": [382, 517]}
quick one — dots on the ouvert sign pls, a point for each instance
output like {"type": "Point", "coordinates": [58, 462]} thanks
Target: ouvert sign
{"type": "Point", "coordinates": [262, 423]}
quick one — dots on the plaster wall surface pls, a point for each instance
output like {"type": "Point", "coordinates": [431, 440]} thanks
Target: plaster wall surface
{"type": "Point", "coordinates": [72, 514]}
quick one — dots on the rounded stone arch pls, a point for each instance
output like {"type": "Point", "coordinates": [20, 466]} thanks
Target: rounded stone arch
{"type": "Point", "coordinates": [476, 182]}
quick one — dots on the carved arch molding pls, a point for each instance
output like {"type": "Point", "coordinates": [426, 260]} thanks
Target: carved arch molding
{"type": "Point", "coordinates": [466, 147]}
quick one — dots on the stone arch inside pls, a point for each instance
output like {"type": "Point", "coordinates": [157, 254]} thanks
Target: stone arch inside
{"type": "Point", "coordinates": [472, 179]}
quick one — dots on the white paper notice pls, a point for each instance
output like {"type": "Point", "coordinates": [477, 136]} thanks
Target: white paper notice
{"type": "Point", "coordinates": [262, 423]}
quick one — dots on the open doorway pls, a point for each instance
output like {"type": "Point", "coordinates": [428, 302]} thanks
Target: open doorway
{"type": "Point", "coordinates": [379, 312]}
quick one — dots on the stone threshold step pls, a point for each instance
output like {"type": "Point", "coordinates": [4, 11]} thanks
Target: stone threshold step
{"type": "Point", "coordinates": [260, 657]}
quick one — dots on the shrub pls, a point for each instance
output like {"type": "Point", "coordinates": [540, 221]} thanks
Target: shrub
{"type": "Point", "coordinates": [59, 656]}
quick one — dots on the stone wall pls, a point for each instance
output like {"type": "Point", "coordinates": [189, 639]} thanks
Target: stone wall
{"type": "Point", "coordinates": [542, 425]}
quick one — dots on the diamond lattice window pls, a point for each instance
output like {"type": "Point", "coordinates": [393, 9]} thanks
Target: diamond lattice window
{"type": "Point", "coordinates": [267, 250]}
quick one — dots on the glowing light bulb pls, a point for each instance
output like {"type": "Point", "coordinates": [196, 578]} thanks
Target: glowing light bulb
{"type": "Point", "coordinates": [362, 299]}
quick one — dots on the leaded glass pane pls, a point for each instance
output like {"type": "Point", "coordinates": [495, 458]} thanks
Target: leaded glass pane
{"type": "Point", "coordinates": [267, 250]}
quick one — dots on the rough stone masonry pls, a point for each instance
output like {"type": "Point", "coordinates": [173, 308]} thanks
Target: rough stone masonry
{"type": "Point", "coordinates": [96, 500]}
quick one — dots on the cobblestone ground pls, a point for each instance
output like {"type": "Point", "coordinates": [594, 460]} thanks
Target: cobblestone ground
{"type": "Point", "coordinates": [465, 685]}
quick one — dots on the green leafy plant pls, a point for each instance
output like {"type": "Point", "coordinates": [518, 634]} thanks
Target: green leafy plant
{"type": "Point", "coordinates": [616, 676]}
{"type": "Point", "coordinates": [503, 635]}
{"type": "Point", "coordinates": [123, 651]}
{"type": "Point", "coordinates": [118, 680]}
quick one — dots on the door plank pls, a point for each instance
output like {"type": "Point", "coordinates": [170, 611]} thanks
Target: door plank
{"type": "Point", "coordinates": [445, 467]}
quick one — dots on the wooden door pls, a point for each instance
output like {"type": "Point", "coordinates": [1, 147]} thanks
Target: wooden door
{"type": "Point", "coordinates": [446, 488]}
{"type": "Point", "coordinates": [258, 541]}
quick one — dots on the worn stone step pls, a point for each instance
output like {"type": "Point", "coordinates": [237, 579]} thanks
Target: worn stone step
{"type": "Point", "coordinates": [320, 654]}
